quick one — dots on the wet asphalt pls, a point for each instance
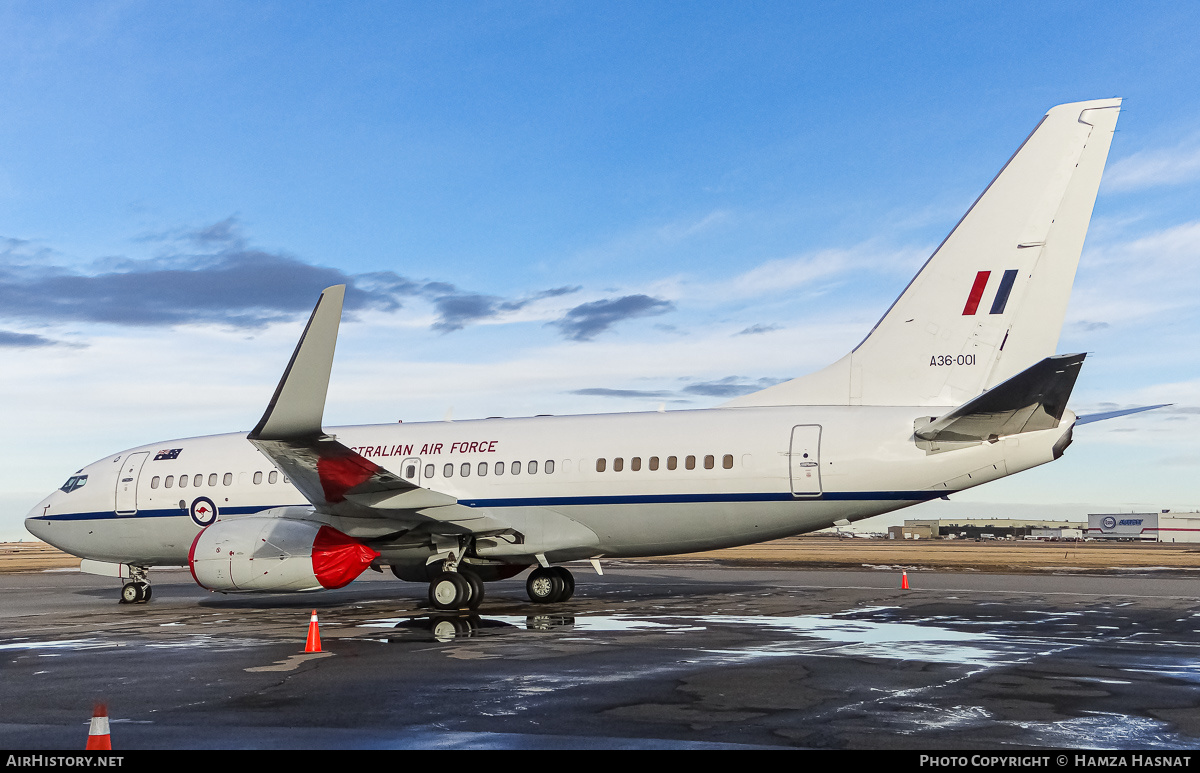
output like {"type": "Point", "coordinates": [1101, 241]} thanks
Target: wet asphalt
{"type": "Point", "coordinates": [683, 655]}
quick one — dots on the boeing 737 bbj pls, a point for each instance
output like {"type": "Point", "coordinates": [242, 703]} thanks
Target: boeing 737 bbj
{"type": "Point", "coordinates": [957, 385]}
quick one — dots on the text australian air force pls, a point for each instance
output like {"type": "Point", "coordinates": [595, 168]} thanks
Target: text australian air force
{"type": "Point", "coordinates": [428, 449]}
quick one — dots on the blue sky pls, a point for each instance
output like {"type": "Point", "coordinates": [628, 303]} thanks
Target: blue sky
{"type": "Point", "coordinates": [561, 208]}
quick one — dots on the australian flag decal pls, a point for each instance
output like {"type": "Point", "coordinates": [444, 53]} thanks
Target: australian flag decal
{"type": "Point", "coordinates": [172, 454]}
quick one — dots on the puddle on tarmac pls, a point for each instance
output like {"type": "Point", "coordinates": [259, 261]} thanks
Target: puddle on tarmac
{"type": "Point", "coordinates": [59, 644]}
{"type": "Point", "coordinates": [1105, 731]}
{"type": "Point", "coordinates": [930, 640]}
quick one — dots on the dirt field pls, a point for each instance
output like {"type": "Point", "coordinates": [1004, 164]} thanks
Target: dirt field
{"type": "Point", "coordinates": [32, 557]}
{"type": "Point", "coordinates": [832, 552]}
{"type": "Point", "coordinates": [990, 556]}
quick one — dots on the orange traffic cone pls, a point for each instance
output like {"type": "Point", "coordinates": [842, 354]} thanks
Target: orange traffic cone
{"type": "Point", "coordinates": [314, 635]}
{"type": "Point", "coordinates": [98, 732]}
{"type": "Point", "coordinates": [904, 580]}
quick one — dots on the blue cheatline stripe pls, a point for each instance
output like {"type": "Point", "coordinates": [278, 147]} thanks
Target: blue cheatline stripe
{"type": "Point", "coordinates": [634, 499]}
{"type": "Point", "coordinates": [646, 499]}
{"type": "Point", "coordinates": [1006, 285]}
{"type": "Point", "coordinates": [171, 512]}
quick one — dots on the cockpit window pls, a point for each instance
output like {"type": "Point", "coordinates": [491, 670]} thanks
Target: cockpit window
{"type": "Point", "coordinates": [74, 482]}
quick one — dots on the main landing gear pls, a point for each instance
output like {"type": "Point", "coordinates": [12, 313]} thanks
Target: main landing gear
{"type": "Point", "coordinates": [547, 585]}
{"type": "Point", "coordinates": [137, 590]}
{"type": "Point", "coordinates": [455, 590]}
{"type": "Point", "coordinates": [454, 587]}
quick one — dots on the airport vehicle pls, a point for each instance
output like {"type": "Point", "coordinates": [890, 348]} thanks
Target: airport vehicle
{"type": "Point", "coordinates": [957, 385]}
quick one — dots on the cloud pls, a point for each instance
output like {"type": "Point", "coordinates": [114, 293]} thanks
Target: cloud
{"type": "Point", "coordinates": [233, 285]}
{"type": "Point", "coordinates": [730, 386]}
{"type": "Point", "coordinates": [211, 275]}
{"type": "Point", "coordinates": [756, 329]}
{"type": "Point", "coordinates": [457, 309]}
{"type": "Point", "coordinates": [586, 321]}
{"type": "Point", "coordinates": [12, 340]}
{"type": "Point", "coordinates": [1153, 168]}
{"type": "Point", "coordinates": [638, 393]}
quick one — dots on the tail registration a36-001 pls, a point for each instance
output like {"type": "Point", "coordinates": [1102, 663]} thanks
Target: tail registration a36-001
{"type": "Point", "coordinates": [958, 384]}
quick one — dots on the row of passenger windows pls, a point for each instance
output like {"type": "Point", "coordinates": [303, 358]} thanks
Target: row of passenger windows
{"type": "Point", "coordinates": [198, 479]}
{"type": "Point", "coordinates": [464, 470]}
{"type": "Point", "coordinates": [481, 469]}
{"type": "Point", "coordinates": [689, 463]}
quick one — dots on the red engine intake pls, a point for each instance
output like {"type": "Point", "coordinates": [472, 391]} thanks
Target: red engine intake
{"type": "Point", "coordinates": [261, 553]}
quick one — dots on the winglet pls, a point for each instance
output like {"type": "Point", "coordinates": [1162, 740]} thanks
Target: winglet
{"type": "Point", "coordinates": [299, 403]}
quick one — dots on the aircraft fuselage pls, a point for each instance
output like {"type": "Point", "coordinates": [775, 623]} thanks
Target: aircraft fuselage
{"type": "Point", "coordinates": [644, 483]}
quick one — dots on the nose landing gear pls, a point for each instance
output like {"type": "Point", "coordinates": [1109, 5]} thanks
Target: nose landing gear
{"type": "Point", "coordinates": [137, 590]}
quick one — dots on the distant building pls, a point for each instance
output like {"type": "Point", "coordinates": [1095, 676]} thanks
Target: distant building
{"type": "Point", "coordinates": [993, 528]}
{"type": "Point", "coordinates": [1055, 533]}
{"type": "Point", "coordinates": [1145, 527]}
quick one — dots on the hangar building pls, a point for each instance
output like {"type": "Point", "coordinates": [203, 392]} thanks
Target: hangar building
{"type": "Point", "coordinates": [1145, 527]}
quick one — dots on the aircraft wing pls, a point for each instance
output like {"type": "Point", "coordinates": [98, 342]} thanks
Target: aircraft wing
{"type": "Point", "coordinates": [1032, 400]}
{"type": "Point", "coordinates": [331, 476]}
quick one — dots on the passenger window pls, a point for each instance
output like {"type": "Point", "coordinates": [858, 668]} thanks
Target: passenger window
{"type": "Point", "coordinates": [690, 462]}
{"type": "Point", "coordinates": [273, 476]}
{"type": "Point", "coordinates": [227, 479]}
{"type": "Point", "coordinates": [499, 468]}
{"type": "Point", "coordinates": [618, 464]}
{"type": "Point", "coordinates": [429, 471]}
{"type": "Point", "coordinates": [154, 482]}
{"type": "Point", "coordinates": [532, 467]}
{"type": "Point", "coordinates": [600, 465]}
{"type": "Point", "coordinates": [709, 462]}
{"type": "Point", "coordinates": [549, 466]}
{"type": "Point", "coordinates": [516, 468]}
{"type": "Point", "coordinates": [169, 482]}
{"type": "Point", "coordinates": [482, 468]}
{"type": "Point", "coordinates": [257, 478]}
{"type": "Point", "coordinates": [727, 461]}
{"type": "Point", "coordinates": [672, 462]}
{"type": "Point", "coordinates": [448, 471]}
{"type": "Point", "coordinates": [635, 463]}
{"type": "Point", "coordinates": [183, 481]}
{"type": "Point", "coordinates": [212, 479]}
{"type": "Point", "coordinates": [653, 463]}
{"type": "Point", "coordinates": [465, 470]}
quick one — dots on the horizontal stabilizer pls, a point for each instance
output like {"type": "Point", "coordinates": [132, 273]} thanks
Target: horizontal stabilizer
{"type": "Point", "coordinates": [1091, 417]}
{"type": "Point", "coordinates": [1032, 400]}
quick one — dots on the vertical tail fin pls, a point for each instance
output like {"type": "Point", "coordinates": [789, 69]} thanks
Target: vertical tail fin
{"type": "Point", "coordinates": [990, 301]}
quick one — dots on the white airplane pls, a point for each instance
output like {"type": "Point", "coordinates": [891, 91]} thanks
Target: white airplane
{"type": "Point", "coordinates": [957, 385]}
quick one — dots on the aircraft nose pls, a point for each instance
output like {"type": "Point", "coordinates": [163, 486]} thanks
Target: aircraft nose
{"type": "Point", "coordinates": [34, 523]}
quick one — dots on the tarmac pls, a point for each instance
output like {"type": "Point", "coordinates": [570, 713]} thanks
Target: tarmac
{"type": "Point", "coordinates": [691, 654]}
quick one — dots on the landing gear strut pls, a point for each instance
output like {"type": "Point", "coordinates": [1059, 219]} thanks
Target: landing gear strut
{"type": "Point", "coordinates": [547, 585]}
{"type": "Point", "coordinates": [451, 589]}
{"type": "Point", "coordinates": [137, 590]}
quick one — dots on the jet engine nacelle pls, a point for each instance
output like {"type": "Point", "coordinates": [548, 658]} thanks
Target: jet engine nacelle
{"type": "Point", "coordinates": [264, 553]}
